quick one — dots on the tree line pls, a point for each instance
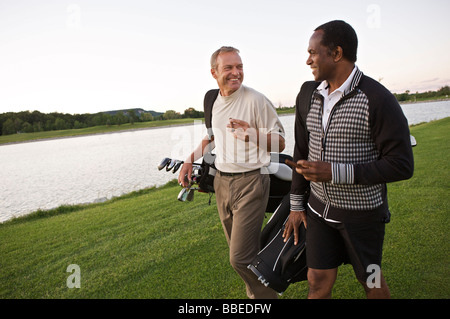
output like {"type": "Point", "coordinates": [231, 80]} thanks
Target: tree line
{"type": "Point", "coordinates": [443, 92]}
{"type": "Point", "coordinates": [29, 122]}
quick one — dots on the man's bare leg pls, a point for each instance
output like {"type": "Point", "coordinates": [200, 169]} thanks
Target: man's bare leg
{"type": "Point", "coordinates": [382, 292]}
{"type": "Point", "coordinates": [321, 282]}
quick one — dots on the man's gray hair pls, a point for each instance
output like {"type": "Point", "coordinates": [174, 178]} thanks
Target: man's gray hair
{"type": "Point", "coordinates": [219, 51]}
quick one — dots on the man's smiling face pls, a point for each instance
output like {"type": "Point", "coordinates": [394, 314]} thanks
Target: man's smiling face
{"type": "Point", "coordinates": [229, 72]}
{"type": "Point", "coordinates": [320, 59]}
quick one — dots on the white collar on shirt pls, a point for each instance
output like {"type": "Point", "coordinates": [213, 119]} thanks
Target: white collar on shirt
{"type": "Point", "coordinates": [323, 87]}
{"type": "Point", "coordinates": [330, 100]}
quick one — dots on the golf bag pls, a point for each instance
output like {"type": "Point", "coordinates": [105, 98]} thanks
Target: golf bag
{"type": "Point", "coordinates": [280, 180]}
{"type": "Point", "coordinates": [207, 173]}
{"type": "Point", "coordinates": [279, 263]}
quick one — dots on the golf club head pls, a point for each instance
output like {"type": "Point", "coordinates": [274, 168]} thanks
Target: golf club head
{"type": "Point", "coordinates": [166, 161]}
{"type": "Point", "coordinates": [190, 195]}
{"type": "Point", "coordinates": [186, 194]}
{"type": "Point", "coordinates": [177, 166]}
{"type": "Point", "coordinates": [170, 165]}
{"type": "Point", "coordinates": [183, 194]}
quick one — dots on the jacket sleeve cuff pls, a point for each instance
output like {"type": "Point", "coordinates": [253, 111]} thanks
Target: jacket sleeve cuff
{"type": "Point", "coordinates": [342, 173]}
{"type": "Point", "coordinates": [298, 203]}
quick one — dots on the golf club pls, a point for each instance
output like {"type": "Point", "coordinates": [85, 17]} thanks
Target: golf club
{"type": "Point", "coordinates": [164, 163]}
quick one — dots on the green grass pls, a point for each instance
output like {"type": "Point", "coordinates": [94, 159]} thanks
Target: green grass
{"type": "Point", "coordinates": [149, 245]}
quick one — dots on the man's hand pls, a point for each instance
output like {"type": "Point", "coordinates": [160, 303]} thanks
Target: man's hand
{"type": "Point", "coordinates": [314, 171]}
{"type": "Point", "coordinates": [184, 178]}
{"type": "Point", "coordinates": [293, 224]}
{"type": "Point", "coordinates": [185, 175]}
{"type": "Point", "coordinates": [242, 130]}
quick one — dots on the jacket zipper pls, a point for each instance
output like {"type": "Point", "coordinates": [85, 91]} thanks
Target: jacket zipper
{"type": "Point", "coordinates": [323, 139]}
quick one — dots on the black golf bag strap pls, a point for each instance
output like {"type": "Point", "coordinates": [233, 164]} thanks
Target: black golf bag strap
{"type": "Point", "coordinates": [208, 103]}
{"type": "Point", "coordinates": [303, 101]}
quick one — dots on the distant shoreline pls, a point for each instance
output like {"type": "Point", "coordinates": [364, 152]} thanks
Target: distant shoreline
{"type": "Point", "coordinates": [164, 126]}
{"type": "Point", "coordinates": [424, 101]}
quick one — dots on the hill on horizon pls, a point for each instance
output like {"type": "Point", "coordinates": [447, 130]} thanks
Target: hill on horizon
{"type": "Point", "coordinates": [137, 111]}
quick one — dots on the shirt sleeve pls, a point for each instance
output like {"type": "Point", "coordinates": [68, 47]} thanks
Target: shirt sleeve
{"type": "Point", "coordinates": [269, 122]}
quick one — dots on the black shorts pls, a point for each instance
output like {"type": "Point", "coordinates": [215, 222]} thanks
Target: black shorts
{"type": "Point", "coordinates": [331, 244]}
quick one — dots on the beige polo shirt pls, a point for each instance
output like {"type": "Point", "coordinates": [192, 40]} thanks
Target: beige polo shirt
{"type": "Point", "coordinates": [246, 104]}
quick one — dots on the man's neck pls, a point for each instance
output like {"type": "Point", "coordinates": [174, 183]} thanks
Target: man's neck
{"type": "Point", "coordinates": [227, 93]}
{"type": "Point", "coordinates": [341, 76]}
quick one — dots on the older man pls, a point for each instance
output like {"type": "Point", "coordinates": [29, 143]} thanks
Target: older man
{"type": "Point", "coordinates": [245, 129]}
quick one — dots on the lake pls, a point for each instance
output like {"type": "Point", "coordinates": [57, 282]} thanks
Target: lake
{"type": "Point", "coordinates": [50, 173]}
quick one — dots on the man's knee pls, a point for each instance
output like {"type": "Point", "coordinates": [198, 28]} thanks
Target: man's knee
{"type": "Point", "coordinates": [380, 291]}
{"type": "Point", "coordinates": [237, 263]}
{"type": "Point", "coordinates": [320, 282]}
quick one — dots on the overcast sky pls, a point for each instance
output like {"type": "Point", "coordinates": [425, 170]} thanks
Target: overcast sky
{"type": "Point", "coordinates": [91, 56]}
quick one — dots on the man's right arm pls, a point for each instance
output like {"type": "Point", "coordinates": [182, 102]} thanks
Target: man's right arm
{"type": "Point", "coordinates": [299, 186]}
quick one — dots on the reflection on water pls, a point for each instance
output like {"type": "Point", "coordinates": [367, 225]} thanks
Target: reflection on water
{"type": "Point", "coordinates": [425, 112]}
{"type": "Point", "coordinates": [48, 174]}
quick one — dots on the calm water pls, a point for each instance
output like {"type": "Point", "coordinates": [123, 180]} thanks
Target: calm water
{"type": "Point", "coordinates": [48, 174]}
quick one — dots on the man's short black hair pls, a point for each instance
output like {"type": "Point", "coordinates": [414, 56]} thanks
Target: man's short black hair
{"type": "Point", "coordinates": [339, 33]}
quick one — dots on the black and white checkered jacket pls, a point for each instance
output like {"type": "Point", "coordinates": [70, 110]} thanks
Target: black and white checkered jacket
{"type": "Point", "coordinates": [367, 142]}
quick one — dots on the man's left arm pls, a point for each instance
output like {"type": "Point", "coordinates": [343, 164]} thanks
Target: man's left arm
{"type": "Point", "coordinates": [268, 133]}
{"type": "Point", "coordinates": [391, 134]}
{"type": "Point", "coordinates": [271, 142]}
